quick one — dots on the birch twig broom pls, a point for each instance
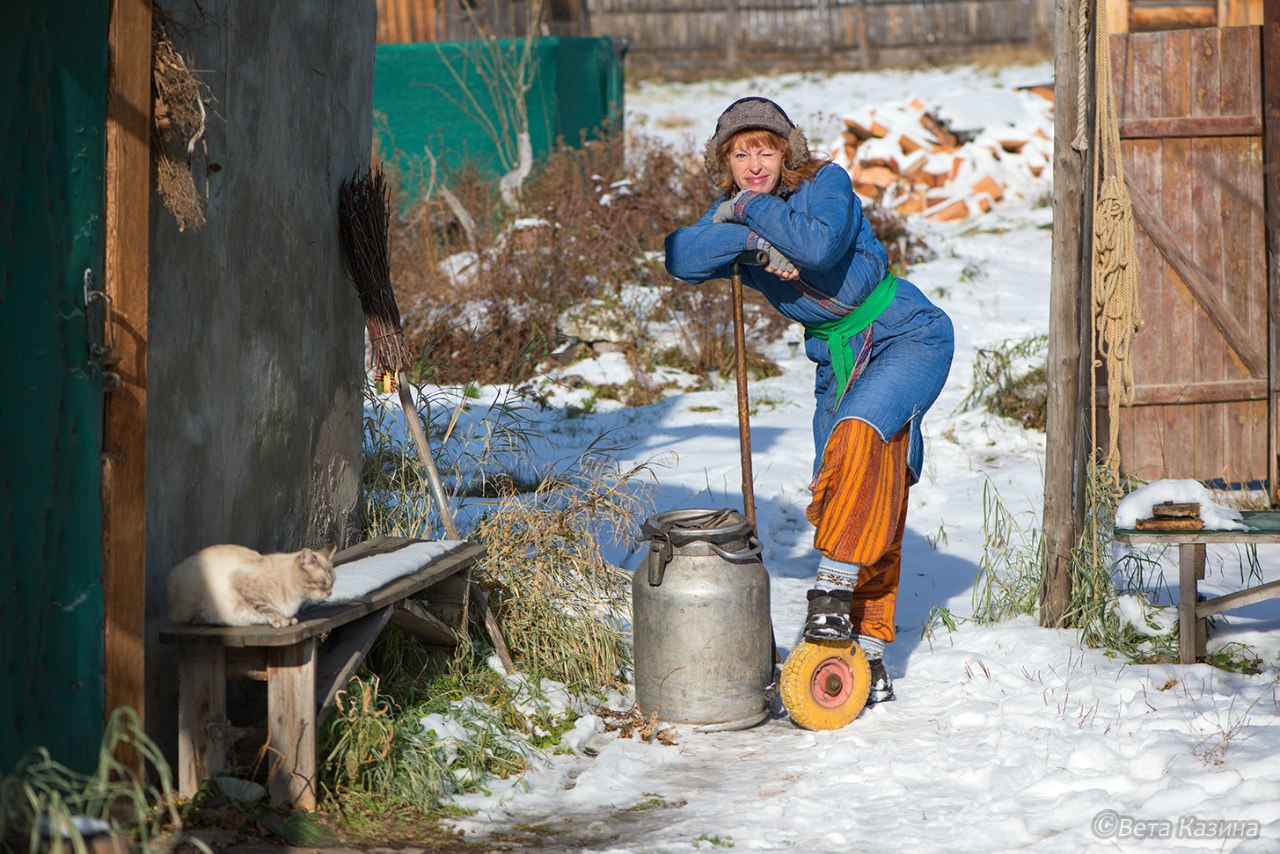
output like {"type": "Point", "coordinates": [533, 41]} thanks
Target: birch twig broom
{"type": "Point", "coordinates": [363, 214]}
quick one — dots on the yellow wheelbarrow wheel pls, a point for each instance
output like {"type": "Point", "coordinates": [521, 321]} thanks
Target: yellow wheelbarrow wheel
{"type": "Point", "coordinates": [825, 684]}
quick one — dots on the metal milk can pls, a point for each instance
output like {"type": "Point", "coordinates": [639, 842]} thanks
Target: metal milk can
{"type": "Point", "coordinates": [700, 617]}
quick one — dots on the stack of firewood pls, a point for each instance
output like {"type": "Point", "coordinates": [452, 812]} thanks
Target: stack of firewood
{"type": "Point", "coordinates": [910, 159]}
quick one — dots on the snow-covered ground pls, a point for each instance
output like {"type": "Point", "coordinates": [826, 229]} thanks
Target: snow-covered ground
{"type": "Point", "coordinates": [1003, 737]}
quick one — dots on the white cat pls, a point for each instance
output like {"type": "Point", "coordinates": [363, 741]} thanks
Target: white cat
{"type": "Point", "coordinates": [235, 586]}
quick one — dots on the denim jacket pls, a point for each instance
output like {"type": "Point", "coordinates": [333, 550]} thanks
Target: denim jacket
{"type": "Point", "coordinates": [821, 229]}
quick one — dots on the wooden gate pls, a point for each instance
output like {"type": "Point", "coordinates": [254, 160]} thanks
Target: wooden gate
{"type": "Point", "coordinates": [1189, 105]}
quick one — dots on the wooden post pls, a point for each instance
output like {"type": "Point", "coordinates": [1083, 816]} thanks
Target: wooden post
{"type": "Point", "coordinates": [864, 46]}
{"type": "Point", "coordinates": [1190, 571]}
{"type": "Point", "coordinates": [291, 712]}
{"type": "Point", "coordinates": [822, 14]}
{"type": "Point", "coordinates": [1070, 186]}
{"type": "Point", "coordinates": [202, 715]}
{"type": "Point", "coordinates": [127, 222]}
{"type": "Point", "coordinates": [731, 34]}
{"type": "Point", "coordinates": [1271, 203]}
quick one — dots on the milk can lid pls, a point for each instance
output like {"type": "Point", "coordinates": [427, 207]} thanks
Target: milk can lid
{"type": "Point", "coordinates": [688, 526]}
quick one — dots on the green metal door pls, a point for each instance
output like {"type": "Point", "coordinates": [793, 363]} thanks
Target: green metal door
{"type": "Point", "coordinates": [53, 75]}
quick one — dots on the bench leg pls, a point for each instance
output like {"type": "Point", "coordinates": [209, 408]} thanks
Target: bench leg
{"type": "Point", "coordinates": [202, 715]}
{"type": "Point", "coordinates": [291, 710]}
{"type": "Point", "coordinates": [1191, 639]}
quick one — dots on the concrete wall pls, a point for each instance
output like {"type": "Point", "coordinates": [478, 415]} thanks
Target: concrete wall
{"type": "Point", "coordinates": [256, 347]}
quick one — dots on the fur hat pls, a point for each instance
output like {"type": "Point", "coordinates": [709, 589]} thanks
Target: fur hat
{"type": "Point", "coordinates": [749, 114]}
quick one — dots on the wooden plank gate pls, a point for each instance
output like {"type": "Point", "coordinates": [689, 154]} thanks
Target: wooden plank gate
{"type": "Point", "coordinates": [1189, 104]}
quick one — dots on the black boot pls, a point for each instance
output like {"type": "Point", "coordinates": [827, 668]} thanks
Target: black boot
{"type": "Point", "coordinates": [881, 684]}
{"type": "Point", "coordinates": [828, 617]}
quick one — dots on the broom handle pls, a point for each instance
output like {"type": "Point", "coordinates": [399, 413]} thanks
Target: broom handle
{"type": "Point", "coordinates": [424, 455]}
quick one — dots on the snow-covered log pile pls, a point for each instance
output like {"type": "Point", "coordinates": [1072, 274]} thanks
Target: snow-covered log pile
{"type": "Point", "coordinates": [953, 161]}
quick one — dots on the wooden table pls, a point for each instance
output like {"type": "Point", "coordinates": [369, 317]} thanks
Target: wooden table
{"type": "Point", "coordinates": [1191, 553]}
{"type": "Point", "coordinates": [303, 674]}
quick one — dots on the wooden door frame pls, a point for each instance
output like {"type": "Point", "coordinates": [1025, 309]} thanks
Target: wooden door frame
{"type": "Point", "coordinates": [127, 218]}
{"type": "Point", "coordinates": [1271, 201]}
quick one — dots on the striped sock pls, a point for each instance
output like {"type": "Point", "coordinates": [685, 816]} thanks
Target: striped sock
{"type": "Point", "coordinates": [873, 647]}
{"type": "Point", "coordinates": [836, 575]}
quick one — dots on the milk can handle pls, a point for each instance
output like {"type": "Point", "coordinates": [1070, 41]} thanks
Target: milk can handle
{"type": "Point", "coordinates": [659, 557]}
{"type": "Point", "coordinates": [754, 547]}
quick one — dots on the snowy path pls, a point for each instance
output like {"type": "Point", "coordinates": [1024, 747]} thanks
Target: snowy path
{"type": "Point", "coordinates": [1010, 739]}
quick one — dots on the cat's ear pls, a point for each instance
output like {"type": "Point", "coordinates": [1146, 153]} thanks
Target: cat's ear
{"type": "Point", "coordinates": [328, 550]}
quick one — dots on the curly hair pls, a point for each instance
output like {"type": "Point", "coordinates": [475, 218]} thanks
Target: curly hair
{"type": "Point", "coordinates": [791, 178]}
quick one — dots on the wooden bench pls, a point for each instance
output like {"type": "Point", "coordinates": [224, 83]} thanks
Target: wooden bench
{"type": "Point", "coordinates": [1191, 555]}
{"type": "Point", "coordinates": [305, 665]}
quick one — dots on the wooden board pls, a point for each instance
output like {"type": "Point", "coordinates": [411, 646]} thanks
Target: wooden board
{"type": "Point", "coordinates": [124, 423]}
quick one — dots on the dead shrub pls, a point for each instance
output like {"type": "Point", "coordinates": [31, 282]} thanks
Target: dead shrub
{"type": "Point", "coordinates": [905, 247]}
{"type": "Point", "coordinates": [485, 303]}
{"type": "Point", "coordinates": [590, 223]}
{"type": "Point", "coordinates": [1009, 381]}
{"type": "Point", "coordinates": [703, 317]}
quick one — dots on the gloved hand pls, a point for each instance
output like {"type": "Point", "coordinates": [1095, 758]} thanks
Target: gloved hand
{"type": "Point", "coordinates": [725, 213]}
{"type": "Point", "coordinates": [778, 263]}
{"type": "Point", "coordinates": [728, 210]}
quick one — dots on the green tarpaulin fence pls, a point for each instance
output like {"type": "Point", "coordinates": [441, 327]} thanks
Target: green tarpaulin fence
{"type": "Point", "coordinates": [452, 99]}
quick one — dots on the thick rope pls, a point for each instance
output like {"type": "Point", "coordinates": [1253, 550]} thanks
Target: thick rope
{"type": "Point", "coordinates": [1081, 142]}
{"type": "Point", "coordinates": [1116, 316]}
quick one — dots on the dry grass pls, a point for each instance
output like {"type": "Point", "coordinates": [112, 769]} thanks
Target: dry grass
{"type": "Point", "coordinates": [563, 608]}
{"type": "Point", "coordinates": [181, 104]}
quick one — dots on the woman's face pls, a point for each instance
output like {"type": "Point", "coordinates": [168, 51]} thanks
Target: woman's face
{"type": "Point", "coordinates": [755, 168]}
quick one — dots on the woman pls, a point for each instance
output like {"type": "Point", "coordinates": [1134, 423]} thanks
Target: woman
{"type": "Point", "coordinates": [882, 352]}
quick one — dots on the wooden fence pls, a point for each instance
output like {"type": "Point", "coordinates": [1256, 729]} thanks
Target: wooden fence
{"type": "Point", "coordinates": [406, 21]}
{"type": "Point", "coordinates": [731, 33]}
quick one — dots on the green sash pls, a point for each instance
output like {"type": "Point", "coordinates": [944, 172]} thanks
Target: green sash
{"type": "Point", "coordinates": [838, 332]}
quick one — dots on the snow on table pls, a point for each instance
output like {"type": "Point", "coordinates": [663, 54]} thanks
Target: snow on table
{"type": "Point", "coordinates": [1139, 503]}
{"type": "Point", "coordinates": [361, 577]}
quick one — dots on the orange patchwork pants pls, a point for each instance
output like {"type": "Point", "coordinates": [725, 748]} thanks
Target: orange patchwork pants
{"type": "Point", "coordinates": [859, 509]}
